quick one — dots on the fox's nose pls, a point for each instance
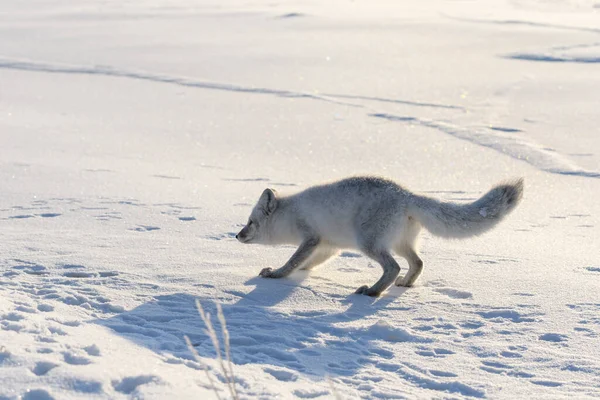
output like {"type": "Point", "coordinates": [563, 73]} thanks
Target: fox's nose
{"type": "Point", "coordinates": [236, 236]}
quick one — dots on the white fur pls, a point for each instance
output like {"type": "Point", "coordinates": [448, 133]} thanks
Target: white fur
{"type": "Point", "coordinates": [373, 215]}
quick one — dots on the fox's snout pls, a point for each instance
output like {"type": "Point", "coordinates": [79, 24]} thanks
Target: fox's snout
{"type": "Point", "coordinates": [242, 235]}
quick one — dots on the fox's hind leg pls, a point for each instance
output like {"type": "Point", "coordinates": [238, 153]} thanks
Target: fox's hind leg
{"type": "Point", "coordinates": [415, 264]}
{"type": "Point", "coordinates": [321, 254]}
{"type": "Point", "coordinates": [391, 269]}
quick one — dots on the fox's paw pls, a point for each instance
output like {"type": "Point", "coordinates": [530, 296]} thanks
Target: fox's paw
{"type": "Point", "coordinates": [267, 273]}
{"type": "Point", "coordinates": [403, 282]}
{"type": "Point", "coordinates": [365, 290]}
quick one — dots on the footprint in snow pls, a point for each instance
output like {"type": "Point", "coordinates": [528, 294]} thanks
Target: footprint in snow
{"type": "Point", "coordinates": [129, 384]}
{"type": "Point", "coordinates": [37, 394]}
{"type": "Point", "coordinates": [510, 354]}
{"type": "Point", "coordinates": [145, 228]}
{"type": "Point", "coordinates": [23, 216]}
{"type": "Point", "coordinates": [71, 323]}
{"type": "Point", "coordinates": [349, 254]}
{"type": "Point", "coordinates": [246, 179]}
{"type": "Point", "coordinates": [282, 375]}
{"type": "Point", "coordinates": [436, 353]}
{"type": "Point", "coordinates": [32, 269]}
{"type": "Point", "coordinates": [283, 184]}
{"type": "Point", "coordinates": [505, 129]}
{"type": "Point", "coordinates": [74, 359]}
{"type": "Point", "coordinates": [546, 383]}
{"type": "Point", "coordinates": [98, 170]}
{"type": "Point", "coordinates": [291, 15]}
{"type": "Point", "coordinates": [553, 337]}
{"type": "Point", "coordinates": [75, 271]}
{"type": "Point", "coordinates": [108, 274]}
{"type": "Point", "coordinates": [505, 315]}
{"type": "Point", "coordinates": [222, 236]}
{"type": "Point", "coordinates": [310, 393]}
{"type": "Point", "coordinates": [12, 316]}
{"type": "Point", "coordinates": [495, 367]}
{"type": "Point", "coordinates": [43, 367]}
{"type": "Point", "coordinates": [79, 274]}
{"type": "Point", "coordinates": [49, 215]}
{"type": "Point", "coordinates": [26, 309]}
{"type": "Point", "coordinates": [442, 374]}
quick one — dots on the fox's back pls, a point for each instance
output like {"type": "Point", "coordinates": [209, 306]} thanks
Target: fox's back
{"type": "Point", "coordinates": [338, 209]}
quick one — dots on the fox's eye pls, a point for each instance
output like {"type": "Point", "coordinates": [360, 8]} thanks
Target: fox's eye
{"type": "Point", "coordinates": [250, 222]}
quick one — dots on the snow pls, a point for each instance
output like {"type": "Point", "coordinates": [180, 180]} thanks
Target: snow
{"type": "Point", "coordinates": [136, 136]}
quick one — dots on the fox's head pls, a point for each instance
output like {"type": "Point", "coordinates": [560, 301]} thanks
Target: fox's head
{"type": "Point", "coordinates": [256, 230]}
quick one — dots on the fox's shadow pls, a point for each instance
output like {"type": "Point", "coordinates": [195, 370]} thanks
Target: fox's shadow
{"type": "Point", "coordinates": [311, 342]}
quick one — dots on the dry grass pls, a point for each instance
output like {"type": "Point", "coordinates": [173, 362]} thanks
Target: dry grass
{"type": "Point", "coordinates": [212, 334]}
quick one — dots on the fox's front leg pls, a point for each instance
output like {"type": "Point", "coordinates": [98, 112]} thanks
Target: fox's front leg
{"type": "Point", "coordinates": [299, 257]}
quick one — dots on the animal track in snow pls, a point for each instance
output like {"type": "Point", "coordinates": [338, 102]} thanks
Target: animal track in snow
{"type": "Point", "coordinates": [22, 216]}
{"type": "Point", "coordinates": [26, 309]}
{"type": "Point", "coordinates": [589, 322]}
{"type": "Point", "coordinates": [246, 179]}
{"type": "Point", "coordinates": [98, 170]}
{"type": "Point", "coordinates": [145, 228]}
{"type": "Point", "coordinates": [515, 146]}
{"type": "Point", "coordinates": [78, 273]}
{"type": "Point", "coordinates": [454, 293]}
{"type": "Point", "coordinates": [37, 394]}
{"type": "Point", "coordinates": [108, 274]}
{"type": "Point", "coordinates": [12, 317]}
{"type": "Point", "coordinates": [129, 384]}
{"type": "Point", "coordinates": [442, 374]}
{"type": "Point", "coordinates": [593, 269]}
{"type": "Point", "coordinates": [222, 236]}
{"type": "Point", "coordinates": [546, 383]}
{"type": "Point", "coordinates": [510, 354]}
{"type": "Point", "coordinates": [588, 53]}
{"type": "Point", "coordinates": [74, 359]}
{"type": "Point", "coordinates": [283, 184]}
{"type": "Point", "coordinates": [349, 254]}
{"type": "Point", "coordinates": [282, 344]}
{"type": "Point", "coordinates": [436, 352]}
{"type": "Point", "coordinates": [492, 259]}
{"type": "Point", "coordinates": [292, 15]}
{"type": "Point", "coordinates": [282, 375]}
{"type": "Point", "coordinates": [31, 268]}
{"type": "Point", "coordinates": [166, 177]}
{"type": "Point", "coordinates": [504, 315]}
{"type": "Point", "coordinates": [310, 393]}
{"type": "Point", "coordinates": [505, 129]}
{"type": "Point", "coordinates": [42, 367]}
{"type": "Point", "coordinates": [553, 337]}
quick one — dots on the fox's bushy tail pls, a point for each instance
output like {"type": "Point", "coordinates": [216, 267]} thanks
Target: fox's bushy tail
{"type": "Point", "coordinates": [456, 220]}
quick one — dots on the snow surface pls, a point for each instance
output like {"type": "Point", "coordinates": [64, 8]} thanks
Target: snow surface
{"type": "Point", "coordinates": [136, 135]}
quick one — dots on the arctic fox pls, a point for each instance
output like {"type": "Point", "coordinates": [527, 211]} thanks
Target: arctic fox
{"type": "Point", "coordinates": [373, 215]}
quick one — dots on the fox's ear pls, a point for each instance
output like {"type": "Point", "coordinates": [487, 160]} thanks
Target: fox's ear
{"type": "Point", "coordinates": [268, 201]}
